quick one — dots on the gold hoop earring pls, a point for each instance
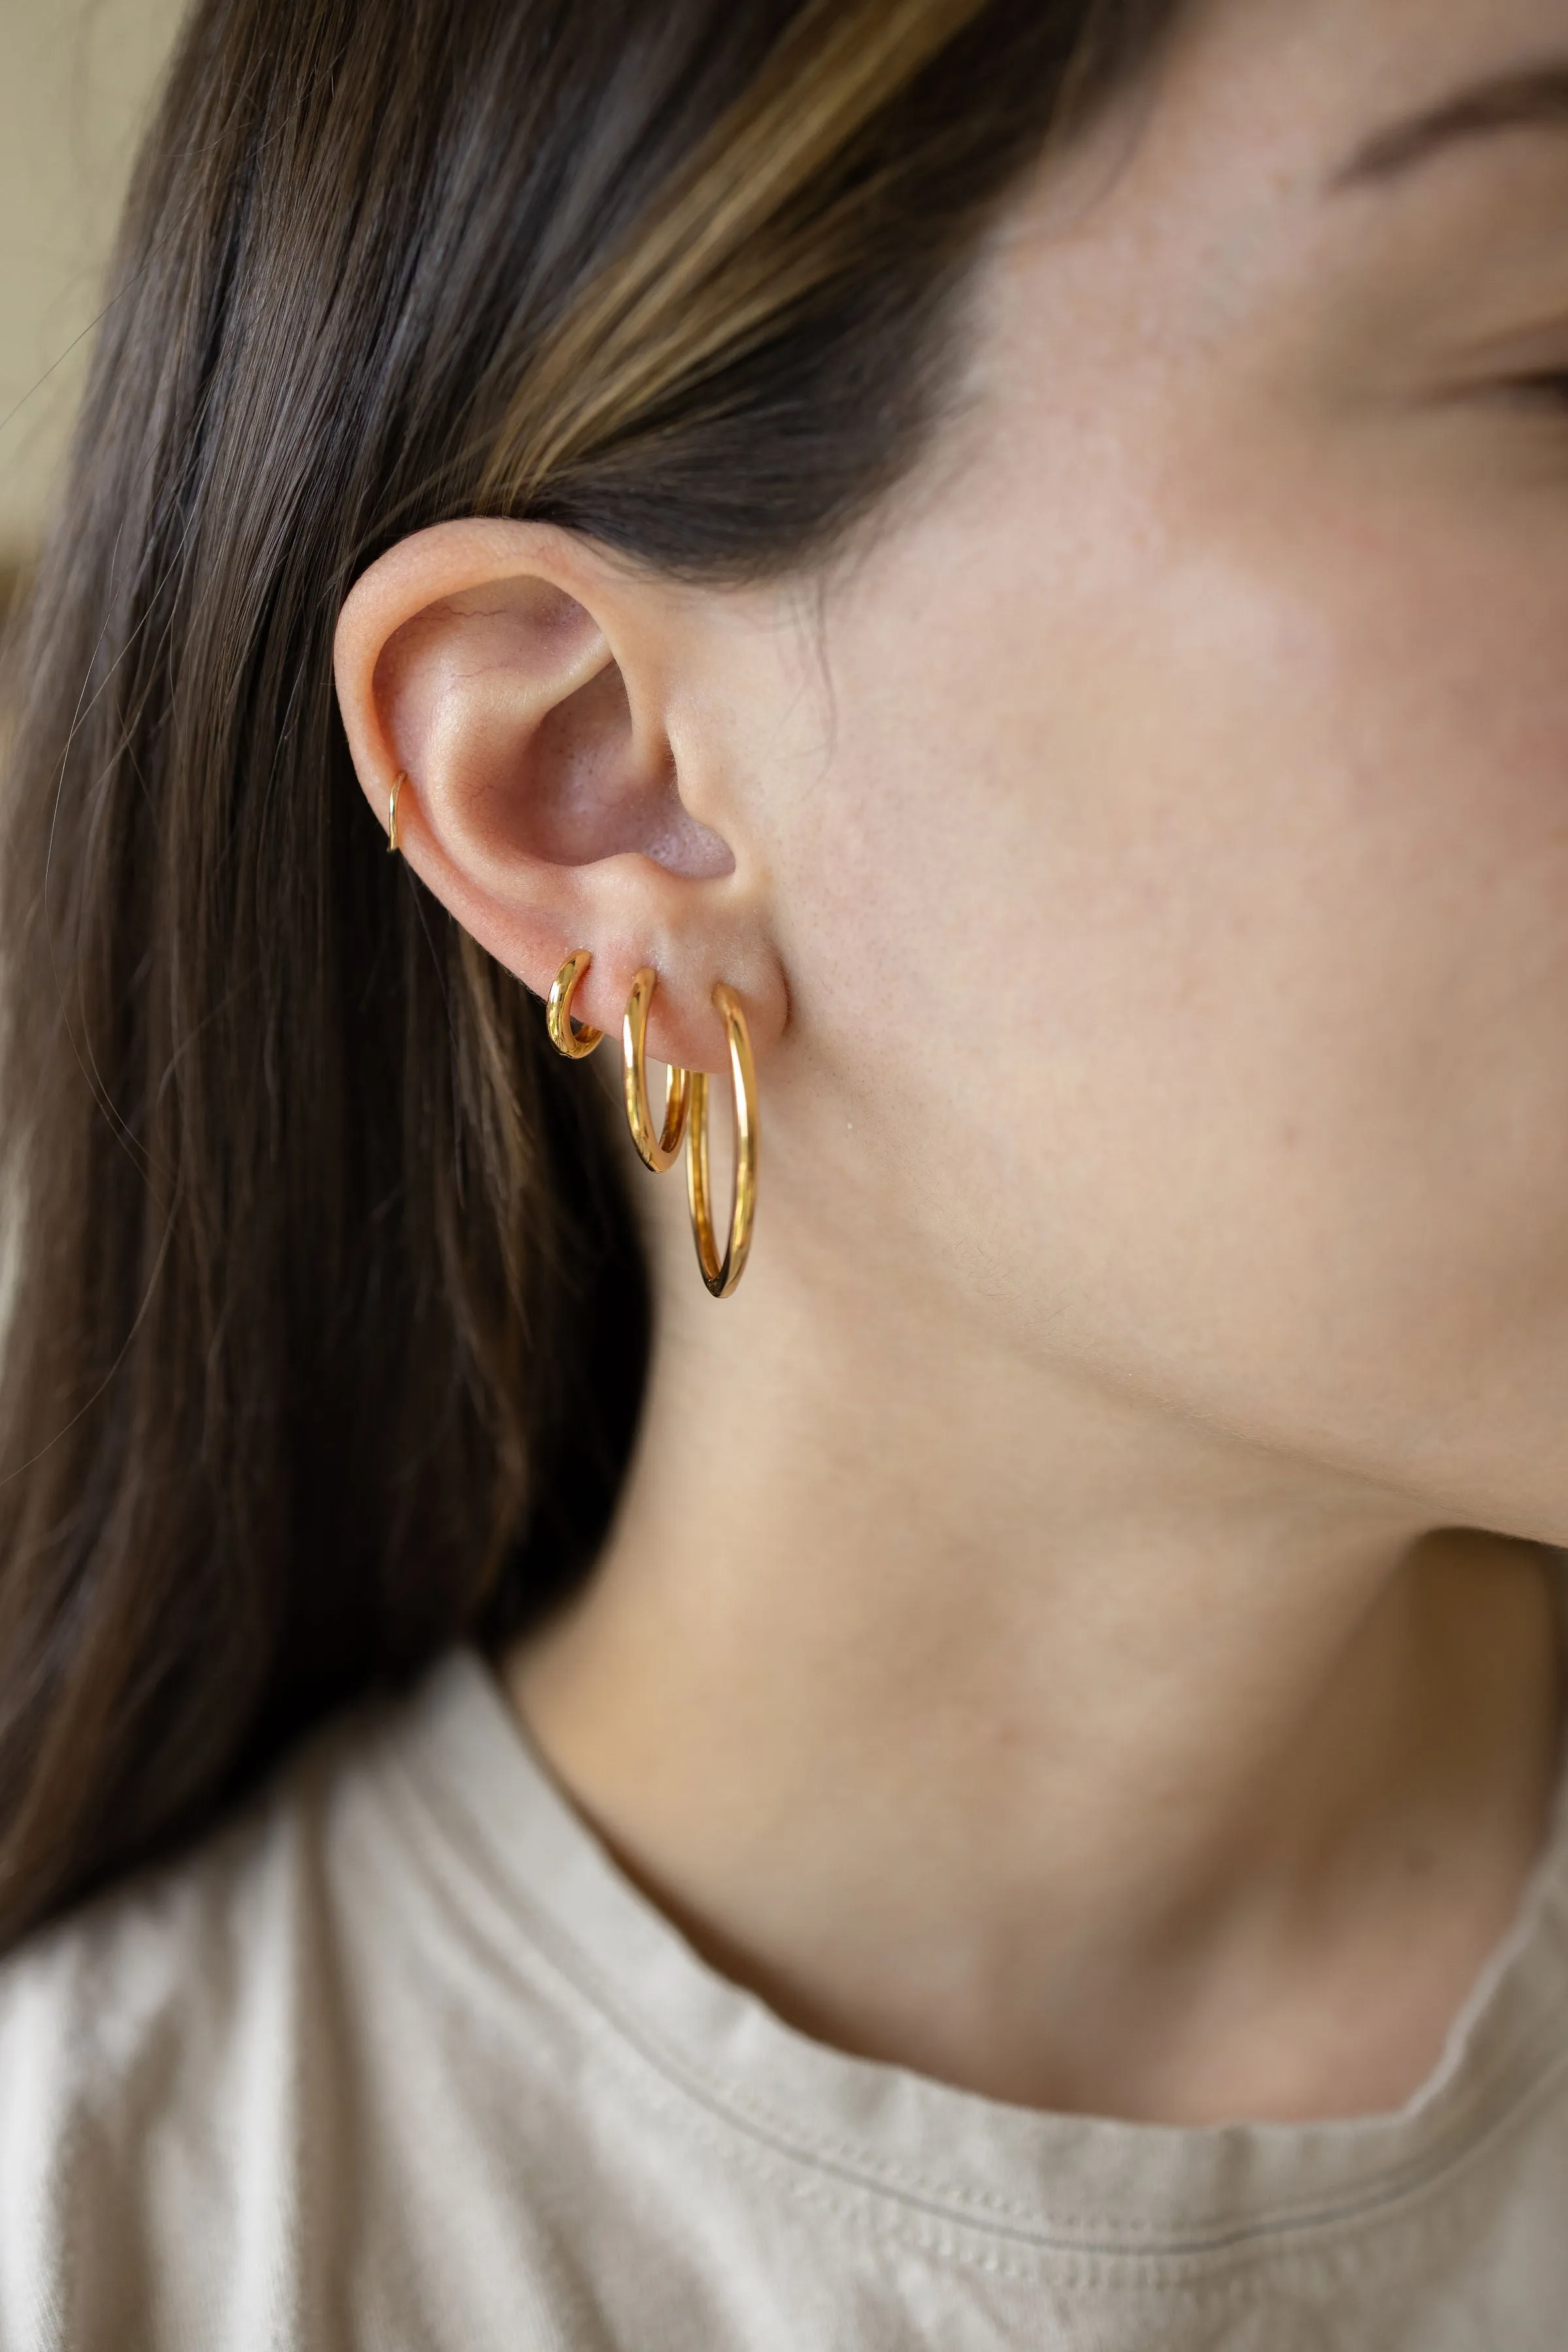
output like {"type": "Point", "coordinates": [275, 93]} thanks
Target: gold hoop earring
{"type": "Point", "coordinates": [397, 784]}
{"type": "Point", "coordinates": [723, 1275]}
{"type": "Point", "coordinates": [575, 1043]}
{"type": "Point", "coordinates": [656, 1150]}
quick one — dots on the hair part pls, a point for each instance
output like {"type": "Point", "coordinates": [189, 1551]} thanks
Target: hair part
{"type": "Point", "coordinates": [328, 1320]}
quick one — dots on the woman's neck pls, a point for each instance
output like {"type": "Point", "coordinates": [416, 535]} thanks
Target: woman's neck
{"type": "Point", "coordinates": [1007, 1730]}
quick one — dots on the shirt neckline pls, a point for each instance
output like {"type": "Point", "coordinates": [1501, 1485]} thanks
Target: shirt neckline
{"type": "Point", "coordinates": [526, 1866]}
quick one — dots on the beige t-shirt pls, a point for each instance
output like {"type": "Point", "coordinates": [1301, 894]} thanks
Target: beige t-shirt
{"type": "Point", "coordinates": [398, 2058]}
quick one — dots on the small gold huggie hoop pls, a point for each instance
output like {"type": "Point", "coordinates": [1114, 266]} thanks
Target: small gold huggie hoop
{"type": "Point", "coordinates": [575, 1043]}
{"type": "Point", "coordinates": [721, 1275]}
{"type": "Point", "coordinates": [656, 1152]}
{"type": "Point", "coordinates": [397, 784]}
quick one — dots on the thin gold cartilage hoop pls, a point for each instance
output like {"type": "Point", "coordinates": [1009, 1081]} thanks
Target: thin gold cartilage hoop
{"type": "Point", "coordinates": [657, 1150]}
{"type": "Point", "coordinates": [574, 1042]}
{"type": "Point", "coordinates": [723, 1275]}
{"type": "Point", "coordinates": [397, 784]}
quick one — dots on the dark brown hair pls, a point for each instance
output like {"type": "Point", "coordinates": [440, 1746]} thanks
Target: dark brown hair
{"type": "Point", "coordinates": [327, 1323]}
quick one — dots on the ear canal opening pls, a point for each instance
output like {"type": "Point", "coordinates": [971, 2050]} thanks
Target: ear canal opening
{"type": "Point", "coordinates": [586, 803]}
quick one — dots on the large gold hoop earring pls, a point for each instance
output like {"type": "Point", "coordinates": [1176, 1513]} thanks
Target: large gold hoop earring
{"type": "Point", "coordinates": [721, 1274]}
{"type": "Point", "coordinates": [397, 784]}
{"type": "Point", "coordinates": [657, 1150]}
{"type": "Point", "coordinates": [575, 1043]}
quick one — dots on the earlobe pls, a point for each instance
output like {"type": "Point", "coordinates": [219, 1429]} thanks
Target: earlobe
{"type": "Point", "coordinates": [520, 679]}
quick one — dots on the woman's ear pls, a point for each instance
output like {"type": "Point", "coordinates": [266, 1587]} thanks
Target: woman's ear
{"type": "Point", "coordinates": [522, 681]}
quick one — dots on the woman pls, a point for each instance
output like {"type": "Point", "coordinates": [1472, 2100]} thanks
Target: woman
{"type": "Point", "coordinates": [991, 575]}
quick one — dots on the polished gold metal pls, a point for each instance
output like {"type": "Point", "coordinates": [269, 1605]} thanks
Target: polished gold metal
{"type": "Point", "coordinates": [721, 1274]}
{"type": "Point", "coordinates": [397, 784]}
{"type": "Point", "coordinates": [575, 1043]}
{"type": "Point", "coordinates": [657, 1150]}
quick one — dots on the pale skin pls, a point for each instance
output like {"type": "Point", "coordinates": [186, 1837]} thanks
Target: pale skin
{"type": "Point", "coordinates": [1077, 1625]}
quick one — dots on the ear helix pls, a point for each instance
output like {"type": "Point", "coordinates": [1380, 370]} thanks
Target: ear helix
{"type": "Point", "coordinates": [685, 1110]}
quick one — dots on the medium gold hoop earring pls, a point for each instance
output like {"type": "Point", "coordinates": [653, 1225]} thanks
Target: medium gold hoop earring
{"type": "Point", "coordinates": [575, 1043]}
{"type": "Point", "coordinates": [656, 1150]}
{"type": "Point", "coordinates": [397, 784]}
{"type": "Point", "coordinates": [721, 1274]}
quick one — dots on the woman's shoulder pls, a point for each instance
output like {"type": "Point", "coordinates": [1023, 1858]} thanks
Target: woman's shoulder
{"type": "Point", "coordinates": [336, 2058]}
{"type": "Point", "coordinates": [158, 2040]}
{"type": "Point", "coordinates": [166, 1959]}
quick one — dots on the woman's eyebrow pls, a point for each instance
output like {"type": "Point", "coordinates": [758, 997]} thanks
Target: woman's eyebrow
{"type": "Point", "coordinates": [1535, 98]}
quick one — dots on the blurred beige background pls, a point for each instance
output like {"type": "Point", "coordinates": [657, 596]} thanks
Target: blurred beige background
{"type": "Point", "coordinates": [76, 80]}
